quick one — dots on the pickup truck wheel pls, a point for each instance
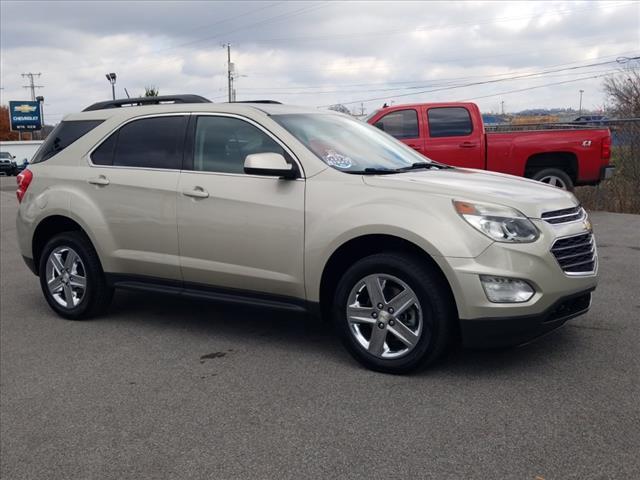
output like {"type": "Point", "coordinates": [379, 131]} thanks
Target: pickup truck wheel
{"type": "Point", "coordinates": [71, 277]}
{"type": "Point", "coordinates": [554, 176]}
{"type": "Point", "coordinates": [393, 313]}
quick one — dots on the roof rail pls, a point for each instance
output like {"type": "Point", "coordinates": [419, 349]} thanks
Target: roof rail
{"type": "Point", "coordinates": [135, 102]}
{"type": "Point", "coordinates": [274, 102]}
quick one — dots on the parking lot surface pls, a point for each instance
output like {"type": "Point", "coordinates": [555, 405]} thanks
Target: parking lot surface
{"type": "Point", "coordinates": [168, 388]}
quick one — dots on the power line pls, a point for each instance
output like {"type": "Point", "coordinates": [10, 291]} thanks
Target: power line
{"type": "Point", "coordinates": [486, 82]}
{"type": "Point", "coordinates": [535, 87]}
{"type": "Point", "coordinates": [430, 85]}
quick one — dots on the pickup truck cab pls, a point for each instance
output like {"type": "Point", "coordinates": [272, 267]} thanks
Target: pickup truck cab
{"type": "Point", "coordinates": [453, 133]}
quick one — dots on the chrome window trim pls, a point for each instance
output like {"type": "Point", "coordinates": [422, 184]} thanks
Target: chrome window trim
{"type": "Point", "coordinates": [181, 114]}
{"type": "Point", "coordinates": [260, 127]}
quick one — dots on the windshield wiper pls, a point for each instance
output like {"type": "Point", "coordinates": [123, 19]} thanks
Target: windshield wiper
{"type": "Point", "coordinates": [421, 165]}
{"type": "Point", "coordinates": [374, 171]}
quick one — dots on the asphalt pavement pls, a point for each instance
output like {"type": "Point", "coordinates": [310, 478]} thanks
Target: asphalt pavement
{"type": "Point", "coordinates": [169, 388]}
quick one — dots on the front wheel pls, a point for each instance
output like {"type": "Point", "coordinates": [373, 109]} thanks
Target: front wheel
{"type": "Point", "coordinates": [71, 277]}
{"type": "Point", "coordinates": [393, 312]}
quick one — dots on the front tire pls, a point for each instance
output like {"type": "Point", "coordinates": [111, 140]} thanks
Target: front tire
{"type": "Point", "coordinates": [394, 312]}
{"type": "Point", "coordinates": [71, 277]}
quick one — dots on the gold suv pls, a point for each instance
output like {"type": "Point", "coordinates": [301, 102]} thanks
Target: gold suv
{"type": "Point", "coordinates": [293, 208]}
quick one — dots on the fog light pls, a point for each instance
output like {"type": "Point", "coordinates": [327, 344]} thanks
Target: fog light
{"type": "Point", "coordinates": [506, 290]}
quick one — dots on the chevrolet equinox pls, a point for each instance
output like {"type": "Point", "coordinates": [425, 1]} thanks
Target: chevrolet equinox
{"type": "Point", "coordinates": [302, 209]}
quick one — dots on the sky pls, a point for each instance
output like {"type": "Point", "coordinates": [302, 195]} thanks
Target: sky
{"type": "Point", "coordinates": [318, 53]}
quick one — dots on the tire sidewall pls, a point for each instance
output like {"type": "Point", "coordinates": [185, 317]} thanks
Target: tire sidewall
{"type": "Point", "coordinates": [431, 312]}
{"type": "Point", "coordinates": [74, 242]}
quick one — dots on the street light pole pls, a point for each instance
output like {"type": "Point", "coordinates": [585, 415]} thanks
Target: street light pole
{"type": "Point", "coordinates": [112, 80]}
{"type": "Point", "coordinates": [580, 108]}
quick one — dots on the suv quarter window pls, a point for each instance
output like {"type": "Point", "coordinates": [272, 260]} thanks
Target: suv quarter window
{"type": "Point", "coordinates": [221, 144]}
{"type": "Point", "coordinates": [400, 124]}
{"type": "Point", "coordinates": [449, 122]}
{"type": "Point", "coordinates": [154, 142]}
{"type": "Point", "coordinates": [62, 136]}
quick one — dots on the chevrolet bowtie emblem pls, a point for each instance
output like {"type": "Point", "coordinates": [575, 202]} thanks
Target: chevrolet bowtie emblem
{"type": "Point", "coordinates": [24, 108]}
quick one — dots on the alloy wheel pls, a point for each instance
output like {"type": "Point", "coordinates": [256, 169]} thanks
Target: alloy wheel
{"type": "Point", "coordinates": [66, 277]}
{"type": "Point", "coordinates": [384, 316]}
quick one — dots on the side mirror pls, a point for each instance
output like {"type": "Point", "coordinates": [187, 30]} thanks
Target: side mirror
{"type": "Point", "coordinates": [271, 164]}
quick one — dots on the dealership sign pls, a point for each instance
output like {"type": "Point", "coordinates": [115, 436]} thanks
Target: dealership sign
{"type": "Point", "coordinates": [25, 116]}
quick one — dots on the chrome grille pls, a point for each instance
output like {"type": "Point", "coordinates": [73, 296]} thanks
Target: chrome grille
{"type": "Point", "coordinates": [576, 254]}
{"type": "Point", "coordinates": [565, 215]}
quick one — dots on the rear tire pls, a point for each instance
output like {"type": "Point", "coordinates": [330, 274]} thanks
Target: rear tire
{"type": "Point", "coordinates": [554, 176]}
{"type": "Point", "coordinates": [71, 277]}
{"type": "Point", "coordinates": [412, 334]}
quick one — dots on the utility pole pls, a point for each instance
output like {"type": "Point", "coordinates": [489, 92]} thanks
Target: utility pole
{"type": "Point", "coordinates": [229, 73]}
{"type": "Point", "coordinates": [502, 107]}
{"type": "Point", "coordinates": [362, 109]}
{"type": "Point", "coordinates": [32, 86]}
{"type": "Point", "coordinates": [580, 108]}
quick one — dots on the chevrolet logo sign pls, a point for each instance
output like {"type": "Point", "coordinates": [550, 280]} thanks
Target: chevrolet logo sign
{"type": "Point", "coordinates": [25, 108]}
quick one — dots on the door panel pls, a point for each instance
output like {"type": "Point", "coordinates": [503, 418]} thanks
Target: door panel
{"type": "Point", "coordinates": [452, 139]}
{"type": "Point", "coordinates": [241, 231]}
{"type": "Point", "coordinates": [236, 230]}
{"type": "Point", "coordinates": [140, 209]}
{"type": "Point", "coordinates": [133, 180]}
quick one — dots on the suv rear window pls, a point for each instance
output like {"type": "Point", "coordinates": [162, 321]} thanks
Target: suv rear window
{"type": "Point", "coordinates": [62, 136]}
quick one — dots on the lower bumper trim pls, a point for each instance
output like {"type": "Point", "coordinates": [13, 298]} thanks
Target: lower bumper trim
{"type": "Point", "coordinates": [510, 331]}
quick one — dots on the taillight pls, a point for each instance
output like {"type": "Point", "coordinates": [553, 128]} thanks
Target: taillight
{"type": "Point", "coordinates": [606, 147]}
{"type": "Point", "coordinates": [24, 179]}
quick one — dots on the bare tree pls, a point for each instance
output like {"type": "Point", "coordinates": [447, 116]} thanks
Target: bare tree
{"type": "Point", "coordinates": [620, 193]}
{"type": "Point", "coordinates": [623, 91]}
{"type": "Point", "coordinates": [340, 108]}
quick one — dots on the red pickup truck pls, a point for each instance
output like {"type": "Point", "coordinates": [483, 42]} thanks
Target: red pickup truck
{"type": "Point", "coordinates": [453, 133]}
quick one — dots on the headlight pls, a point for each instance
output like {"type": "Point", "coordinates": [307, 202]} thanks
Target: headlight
{"type": "Point", "coordinates": [499, 223]}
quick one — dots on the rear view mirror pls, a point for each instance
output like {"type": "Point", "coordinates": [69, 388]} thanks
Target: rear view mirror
{"type": "Point", "coordinates": [271, 164]}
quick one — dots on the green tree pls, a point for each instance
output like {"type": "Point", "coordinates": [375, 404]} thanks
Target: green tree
{"type": "Point", "coordinates": [151, 91]}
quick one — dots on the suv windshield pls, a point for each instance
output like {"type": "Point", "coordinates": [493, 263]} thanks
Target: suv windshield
{"type": "Point", "coordinates": [350, 145]}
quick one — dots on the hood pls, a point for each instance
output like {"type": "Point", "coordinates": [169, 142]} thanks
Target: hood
{"type": "Point", "coordinates": [528, 196]}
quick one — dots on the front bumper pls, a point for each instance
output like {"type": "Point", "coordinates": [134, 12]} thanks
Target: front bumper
{"type": "Point", "coordinates": [508, 331]}
{"type": "Point", "coordinates": [486, 323]}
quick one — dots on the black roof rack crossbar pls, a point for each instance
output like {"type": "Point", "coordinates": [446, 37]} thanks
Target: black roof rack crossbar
{"type": "Point", "coordinates": [131, 102]}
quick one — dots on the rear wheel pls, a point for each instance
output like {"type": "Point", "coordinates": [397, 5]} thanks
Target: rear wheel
{"type": "Point", "coordinates": [393, 312]}
{"type": "Point", "coordinates": [71, 277]}
{"type": "Point", "coordinates": [554, 176]}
